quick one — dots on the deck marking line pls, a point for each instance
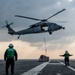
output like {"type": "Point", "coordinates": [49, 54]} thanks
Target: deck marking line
{"type": "Point", "coordinates": [55, 63]}
{"type": "Point", "coordinates": [36, 69]}
{"type": "Point", "coordinates": [68, 66]}
{"type": "Point", "coordinates": [71, 68]}
{"type": "Point", "coordinates": [2, 62]}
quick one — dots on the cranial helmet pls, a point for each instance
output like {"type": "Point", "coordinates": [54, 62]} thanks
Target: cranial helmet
{"type": "Point", "coordinates": [11, 45]}
{"type": "Point", "coordinates": [66, 51]}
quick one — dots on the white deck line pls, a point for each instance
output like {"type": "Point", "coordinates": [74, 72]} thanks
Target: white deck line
{"type": "Point", "coordinates": [55, 63]}
{"type": "Point", "coordinates": [68, 66]}
{"type": "Point", "coordinates": [2, 62]}
{"type": "Point", "coordinates": [36, 70]}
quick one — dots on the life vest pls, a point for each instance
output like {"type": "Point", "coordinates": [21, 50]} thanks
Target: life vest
{"type": "Point", "coordinates": [10, 53]}
{"type": "Point", "coordinates": [66, 55]}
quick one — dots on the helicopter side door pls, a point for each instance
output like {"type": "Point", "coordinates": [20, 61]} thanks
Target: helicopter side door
{"type": "Point", "coordinates": [37, 29]}
{"type": "Point", "coordinates": [50, 27]}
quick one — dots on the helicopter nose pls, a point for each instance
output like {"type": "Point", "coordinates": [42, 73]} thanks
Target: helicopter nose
{"type": "Point", "coordinates": [60, 27]}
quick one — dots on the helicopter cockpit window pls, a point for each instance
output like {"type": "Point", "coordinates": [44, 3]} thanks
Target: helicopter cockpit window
{"type": "Point", "coordinates": [55, 24]}
{"type": "Point", "coordinates": [32, 26]}
{"type": "Point", "coordinates": [42, 29]}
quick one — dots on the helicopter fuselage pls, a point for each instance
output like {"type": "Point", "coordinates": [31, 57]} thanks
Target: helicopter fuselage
{"type": "Point", "coordinates": [39, 28]}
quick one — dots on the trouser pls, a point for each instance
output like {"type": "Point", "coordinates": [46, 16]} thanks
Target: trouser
{"type": "Point", "coordinates": [10, 62]}
{"type": "Point", "coordinates": [66, 61]}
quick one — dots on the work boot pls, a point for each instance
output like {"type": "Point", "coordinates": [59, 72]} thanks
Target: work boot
{"type": "Point", "coordinates": [6, 73]}
{"type": "Point", "coordinates": [12, 73]}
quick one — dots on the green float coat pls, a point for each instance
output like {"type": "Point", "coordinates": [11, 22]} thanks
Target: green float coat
{"type": "Point", "coordinates": [10, 53]}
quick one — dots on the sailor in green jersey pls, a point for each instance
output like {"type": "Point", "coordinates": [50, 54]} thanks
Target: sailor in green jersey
{"type": "Point", "coordinates": [66, 59]}
{"type": "Point", "coordinates": [9, 56]}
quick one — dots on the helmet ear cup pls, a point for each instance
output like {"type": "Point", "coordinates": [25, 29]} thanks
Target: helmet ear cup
{"type": "Point", "coordinates": [11, 45]}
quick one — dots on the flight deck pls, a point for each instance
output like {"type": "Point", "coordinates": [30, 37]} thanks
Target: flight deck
{"type": "Point", "coordinates": [33, 67]}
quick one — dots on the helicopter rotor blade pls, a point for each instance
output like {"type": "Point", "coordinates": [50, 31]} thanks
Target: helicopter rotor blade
{"type": "Point", "coordinates": [28, 17]}
{"type": "Point", "coordinates": [61, 21]}
{"type": "Point", "coordinates": [56, 13]}
{"type": "Point", "coordinates": [6, 22]}
{"type": "Point", "coordinates": [10, 23]}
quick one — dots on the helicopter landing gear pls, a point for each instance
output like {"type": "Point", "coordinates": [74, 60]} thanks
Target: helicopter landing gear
{"type": "Point", "coordinates": [63, 27]}
{"type": "Point", "coordinates": [50, 33]}
{"type": "Point", "coordinates": [18, 36]}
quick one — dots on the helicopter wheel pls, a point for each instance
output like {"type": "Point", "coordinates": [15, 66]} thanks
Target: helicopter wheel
{"type": "Point", "coordinates": [63, 27]}
{"type": "Point", "coordinates": [18, 36]}
{"type": "Point", "coordinates": [50, 33]}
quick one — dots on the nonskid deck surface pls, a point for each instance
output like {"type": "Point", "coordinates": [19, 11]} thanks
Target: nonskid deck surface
{"type": "Point", "coordinates": [33, 67]}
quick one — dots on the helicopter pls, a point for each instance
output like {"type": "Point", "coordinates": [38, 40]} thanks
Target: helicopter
{"type": "Point", "coordinates": [37, 27]}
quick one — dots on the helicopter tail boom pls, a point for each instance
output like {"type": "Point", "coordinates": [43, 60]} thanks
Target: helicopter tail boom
{"type": "Point", "coordinates": [10, 30]}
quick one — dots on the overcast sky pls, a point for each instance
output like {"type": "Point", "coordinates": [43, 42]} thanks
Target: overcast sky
{"type": "Point", "coordinates": [40, 9]}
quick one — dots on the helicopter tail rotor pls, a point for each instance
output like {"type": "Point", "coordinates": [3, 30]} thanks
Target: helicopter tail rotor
{"type": "Point", "coordinates": [7, 24]}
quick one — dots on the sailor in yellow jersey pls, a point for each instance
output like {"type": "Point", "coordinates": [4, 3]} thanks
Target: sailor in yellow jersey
{"type": "Point", "coordinates": [10, 56]}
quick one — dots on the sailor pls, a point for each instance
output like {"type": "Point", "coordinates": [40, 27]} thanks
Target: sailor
{"type": "Point", "coordinates": [9, 56]}
{"type": "Point", "coordinates": [66, 59]}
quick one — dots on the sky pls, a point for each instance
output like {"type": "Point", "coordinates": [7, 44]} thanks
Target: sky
{"type": "Point", "coordinates": [31, 46]}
